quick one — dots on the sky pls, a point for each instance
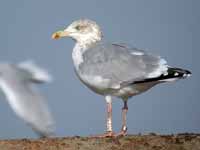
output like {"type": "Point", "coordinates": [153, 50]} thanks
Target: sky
{"type": "Point", "coordinates": [167, 28]}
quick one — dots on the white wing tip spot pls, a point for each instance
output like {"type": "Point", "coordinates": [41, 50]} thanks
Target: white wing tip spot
{"type": "Point", "coordinates": [176, 74]}
{"type": "Point", "coordinates": [165, 74]}
{"type": "Point", "coordinates": [137, 53]}
{"type": "Point", "coordinates": [186, 75]}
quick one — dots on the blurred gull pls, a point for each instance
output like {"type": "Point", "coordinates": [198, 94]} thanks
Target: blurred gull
{"type": "Point", "coordinates": [16, 81]}
{"type": "Point", "coordinates": [115, 69]}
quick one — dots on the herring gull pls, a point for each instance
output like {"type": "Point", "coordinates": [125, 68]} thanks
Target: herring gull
{"type": "Point", "coordinates": [115, 69]}
{"type": "Point", "coordinates": [16, 81]}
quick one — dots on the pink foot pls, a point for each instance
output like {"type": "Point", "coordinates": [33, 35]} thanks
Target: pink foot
{"type": "Point", "coordinates": [107, 134]}
{"type": "Point", "coordinates": [123, 132]}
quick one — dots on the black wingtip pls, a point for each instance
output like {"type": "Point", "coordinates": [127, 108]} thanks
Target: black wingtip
{"type": "Point", "coordinates": [182, 73]}
{"type": "Point", "coordinates": [171, 75]}
{"type": "Point", "coordinates": [189, 73]}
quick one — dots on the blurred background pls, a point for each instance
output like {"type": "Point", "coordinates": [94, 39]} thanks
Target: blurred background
{"type": "Point", "coordinates": [168, 28]}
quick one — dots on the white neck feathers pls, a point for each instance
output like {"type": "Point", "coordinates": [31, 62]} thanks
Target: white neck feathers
{"type": "Point", "coordinates": [77, 55]}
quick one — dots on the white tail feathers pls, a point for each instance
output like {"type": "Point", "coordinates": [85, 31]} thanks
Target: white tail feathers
{"type": "Point", "coordinates": [37, 72]}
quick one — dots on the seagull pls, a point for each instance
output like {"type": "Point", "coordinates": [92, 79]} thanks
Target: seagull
{"type": "Point", "coordinates": [16, 82]}
{"type": "Point", "coordinates": [112, 69]}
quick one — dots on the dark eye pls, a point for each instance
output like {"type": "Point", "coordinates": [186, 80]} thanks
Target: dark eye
{"type": "Point", "coordinates": [78, 27]}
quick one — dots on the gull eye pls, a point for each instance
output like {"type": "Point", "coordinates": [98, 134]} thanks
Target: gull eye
{"type": "Point", "coordinates": [78, 27]}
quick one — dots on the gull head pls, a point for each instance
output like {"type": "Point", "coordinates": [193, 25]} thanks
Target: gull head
{"type": "Point", "coordinates": [83, 31]}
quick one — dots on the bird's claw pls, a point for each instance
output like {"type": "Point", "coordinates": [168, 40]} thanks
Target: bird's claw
{"type": "Point", "coordinates": [112, 134]}
{"type": "Point", "coordinates": [107, 134]}
{"type": "Point", "coordinates": [122, 132]}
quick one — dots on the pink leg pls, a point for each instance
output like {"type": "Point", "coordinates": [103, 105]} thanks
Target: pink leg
{"type": "Point", "coordinates": [109, 131]}
{"type": "Point", "coordinates": [124, 114]}
{"type": "Point", "coordinates": [109, 117]}
{"type": "Point", "coordinates": [124, 126]}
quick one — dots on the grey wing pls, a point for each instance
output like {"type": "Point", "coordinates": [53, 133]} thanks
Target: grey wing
{"type": "Point", "coordinates": [38, 114]}
{"type": "Point", "coordinates": [119, 63]}
{"type": "Point", "coordinates": [31, 106]}
{"type": "Point", "coordinates": [43, 122]}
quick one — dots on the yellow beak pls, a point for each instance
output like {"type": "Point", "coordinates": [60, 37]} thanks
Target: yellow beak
{"type": "Point", "coordinates": [59, 34]}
